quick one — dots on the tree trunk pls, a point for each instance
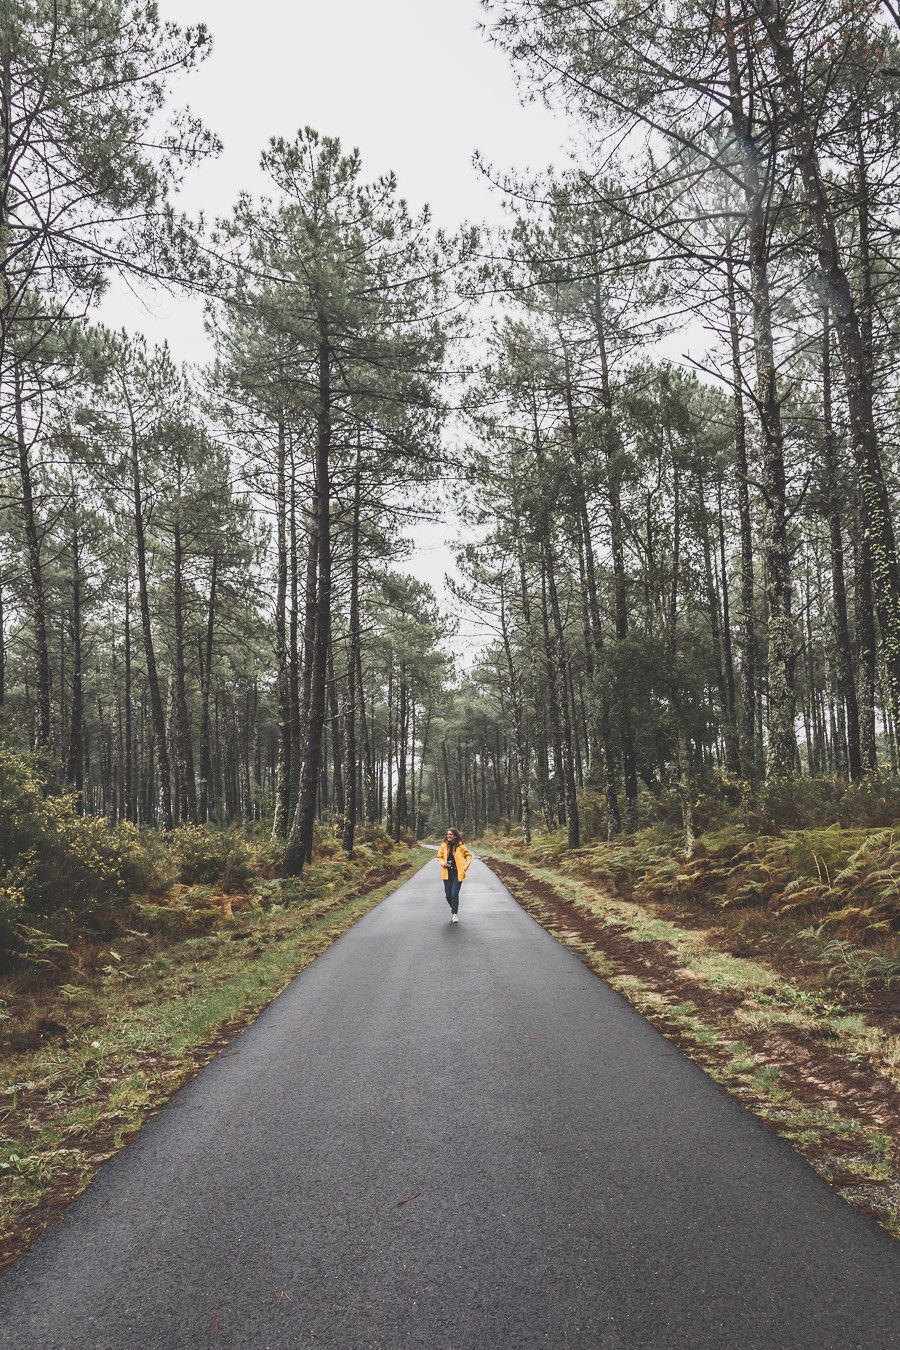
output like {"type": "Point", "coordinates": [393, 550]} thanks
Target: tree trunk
{"type": "Point", "coordinates": [782, 747]}
{"type": "Point", "coordinates": [401, 813]}
{"type": "Point", "coordinates": [726, 707]}
{"type": "Point", "coordinates": [747, 724]}
{"type": "Point", "coordinates": [612, 450]}
{"type": "Point", "coordinates": [541, 771]}
{"type": "Point", "coordinates": [727, 652]}
{"type": "Point", "coordinates": [75, 767]}
{"type": "Point", "coordinates": [36, 574]}
{"type": "Point", "coordinates": [865, 646]}
{"type": "Point", "coordinates": [412, 762]}
{"type": "Point", "coordinates": [846, 684]}
{"type": "Point", "coordinates": [520, 731]}
{"type": "Point", "coordinates": [369, 775]}
{"type": "Point", "coordinates": [568, 753]}
{"type": "Point", "coordinates": [454, 805]}
{"type": "Point", "coordinates": [183, 738]}
{"type": "Point", "coordinates": [352, 663]}
{"type": "Point", "coordinates": [558, 800]}
{"type": "Point", "coordinates": [425, 742]}
{"type": "Point", "coordinates": [282, 673]}
{"type": "Point", "coordinates": [294, 654]}
{"type": "Point", "coordinates": [205, 686]}
{"type": "Point", "coordinates": [683, 777]}
{"type": "Point", "coordinates": [299, 846]}
{"type": "Point", "coordinates": [389, 744]}
{"type": "Point", "coordinates": [875, 497]}
{"type": "Point", "coordinates": [156, 704]}
{"type": "Point", "coordinates": [337, 739]}
{"type": "Point", "coordinates": [309, 642]}
{"type": "Point", "coordinates": [174, 758]}
{"type": "Point", "coordinates": [593, 652]}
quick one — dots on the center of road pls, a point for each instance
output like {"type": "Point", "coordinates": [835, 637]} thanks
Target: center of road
{"type": "Point", "coordinates": [453, 1136]}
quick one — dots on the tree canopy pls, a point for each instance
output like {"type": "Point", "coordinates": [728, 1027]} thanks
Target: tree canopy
{"type": "Point", "coordinates": [662, 399]}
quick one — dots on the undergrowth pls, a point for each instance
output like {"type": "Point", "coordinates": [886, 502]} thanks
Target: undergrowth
{"type": "Point", "coordinates": [69, 884]}
{"type": "Point", "coordinates": [840, 878]}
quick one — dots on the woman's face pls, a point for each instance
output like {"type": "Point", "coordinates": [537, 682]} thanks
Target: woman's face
{"type": "Point", "coordinates": [449, 836]}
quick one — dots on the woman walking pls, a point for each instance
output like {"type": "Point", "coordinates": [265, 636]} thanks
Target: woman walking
{"type": "Point", "coordinates": [454, 858]}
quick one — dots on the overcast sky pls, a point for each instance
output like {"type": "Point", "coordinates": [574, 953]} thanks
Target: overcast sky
{"type": "Point", "coordinates": [413, 83]}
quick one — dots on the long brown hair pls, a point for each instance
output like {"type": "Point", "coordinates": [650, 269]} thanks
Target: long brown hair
{"type": "Point", "coordinates": [457, 837]}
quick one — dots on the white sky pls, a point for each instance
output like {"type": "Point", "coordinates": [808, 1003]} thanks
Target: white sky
{"type": "Point", "coordinates": [412, 83]}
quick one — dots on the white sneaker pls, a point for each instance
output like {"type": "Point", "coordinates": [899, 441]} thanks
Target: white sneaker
{"type": "Point", "coordinates": [454, 918]}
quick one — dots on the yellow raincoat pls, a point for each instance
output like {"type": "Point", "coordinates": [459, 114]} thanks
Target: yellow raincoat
{"type": "Point", "coordinates": [461, 854]}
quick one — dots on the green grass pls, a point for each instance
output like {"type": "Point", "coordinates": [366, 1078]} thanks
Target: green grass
{"type": "Point", "coordinates": [770, 999]}
{"type": "Point", "coordinates": [139, 1032]}
{"type": "Point", "coordinates": [737, 998]}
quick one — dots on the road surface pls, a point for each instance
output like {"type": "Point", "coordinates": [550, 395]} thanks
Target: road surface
{"type": "Point", "coordinates": [452, 1138]}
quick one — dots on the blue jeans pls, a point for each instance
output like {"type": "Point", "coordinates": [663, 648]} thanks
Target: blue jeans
{"type": "Point", "coordinates": [451, 891]}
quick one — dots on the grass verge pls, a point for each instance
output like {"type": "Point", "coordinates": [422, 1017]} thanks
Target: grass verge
{"type": "Point", "coordinates": [118, 1045]}
{"type": "Point", "coordinates": [821, 1075]}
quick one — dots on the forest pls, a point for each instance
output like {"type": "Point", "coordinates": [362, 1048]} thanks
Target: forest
{"type": "Point", "coordinates": [661, 403]}
{"type": "Point", "coordinates": [659, 689]}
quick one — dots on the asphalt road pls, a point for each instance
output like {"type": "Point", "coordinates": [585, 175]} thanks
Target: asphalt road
{"type": "Point", "coordinates": [452, 1138]}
